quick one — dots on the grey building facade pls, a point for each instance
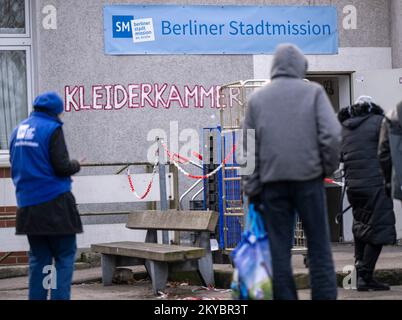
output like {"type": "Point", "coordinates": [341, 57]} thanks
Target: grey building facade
{"type": "Point", "coordinates": [60, 46]}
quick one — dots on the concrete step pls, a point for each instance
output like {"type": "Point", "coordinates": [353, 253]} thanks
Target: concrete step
{"type": "Point", "coordinates": [389, 270]}
{"type": "Point", "coordinates": [7, 272]}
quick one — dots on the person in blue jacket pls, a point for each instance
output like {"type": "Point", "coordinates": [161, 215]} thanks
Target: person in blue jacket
{"type": "Point", "coordinates": [47, 213]}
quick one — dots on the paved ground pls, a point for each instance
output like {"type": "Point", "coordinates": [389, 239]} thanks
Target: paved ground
{"type": "Point", "coordinates": [391, 258]}
{"type": "Point", "coordinates": [141, 290]}
{"type": "Point", "coordinates": [88, 287]}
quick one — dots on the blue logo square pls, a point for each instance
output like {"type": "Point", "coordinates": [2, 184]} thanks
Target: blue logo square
{"type": "Point", "coordinates": [122, 26]}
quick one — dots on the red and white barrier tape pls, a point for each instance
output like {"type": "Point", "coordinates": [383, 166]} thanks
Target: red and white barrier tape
{"type": "Point", "coordinates": [149, 186]}
{"type": "Point", "coordinates": [182, 159]}
{"type": "Point", "coordinates": [172, 157]}
{"type": "Point", "coordinates": [333, 182]}
{"type": "Point", "coordinates": [189, 175]}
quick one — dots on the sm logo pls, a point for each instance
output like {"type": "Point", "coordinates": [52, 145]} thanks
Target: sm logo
{"type": "Point", "coordinates": [122, 26]}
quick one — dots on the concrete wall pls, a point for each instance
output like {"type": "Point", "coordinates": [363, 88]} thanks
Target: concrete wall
{"type": "Point", "coordinates": [349, 59]}
{"type": "Point", "coordinates": [396, 32]}
{"type": "Point", "coordinates": [73, 55]}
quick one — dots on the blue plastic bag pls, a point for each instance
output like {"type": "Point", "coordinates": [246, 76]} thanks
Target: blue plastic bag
{"type": "Point", "coordinates": [252, 277]}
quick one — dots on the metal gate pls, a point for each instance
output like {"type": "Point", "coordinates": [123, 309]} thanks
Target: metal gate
{"type": "Point", "coordinates": [233, 102]}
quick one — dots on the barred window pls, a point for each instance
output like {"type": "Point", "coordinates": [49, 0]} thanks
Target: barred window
{"type": "Point", "coordinates": [12, 17]}
{"type": "Point", "coordinates": [15, 67]}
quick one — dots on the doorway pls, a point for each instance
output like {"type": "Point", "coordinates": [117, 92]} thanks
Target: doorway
{"type": "Point", "coordinates": [337, 86]}
{"type": "Point", "coordinates": [339, 90]}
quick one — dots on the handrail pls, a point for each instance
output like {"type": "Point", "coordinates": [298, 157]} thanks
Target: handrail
{"type": "Point", "coordinates": [124, 165]}
{"type": "Point", "coordinates": [187, 192]}
{"type": "Point", "coordinates": [114, 164]}
{"type": "Point", "coordinates": [197, 194]}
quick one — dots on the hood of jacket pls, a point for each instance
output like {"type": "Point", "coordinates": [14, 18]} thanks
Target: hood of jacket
{"type": "Point", "coordinates": [353, 116]}
{"type": "Point", "coordinates": [50, 102]}
{"type": "Point", "coordinates": [289, 61]}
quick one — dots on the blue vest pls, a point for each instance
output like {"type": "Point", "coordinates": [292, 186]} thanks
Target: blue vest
{"type": "Point", "coordinates": [31, 170]}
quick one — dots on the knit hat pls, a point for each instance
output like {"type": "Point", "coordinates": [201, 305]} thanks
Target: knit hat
{"type": "Point", "coordinates": [365, 99]}
{"type": "Point", "coordinates": [50, 101]}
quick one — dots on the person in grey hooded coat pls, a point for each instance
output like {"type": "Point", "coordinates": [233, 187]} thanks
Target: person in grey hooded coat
{"type": "Point", "coordinates": [297, 142]}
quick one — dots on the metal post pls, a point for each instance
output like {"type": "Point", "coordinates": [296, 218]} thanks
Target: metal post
{"type": "Point", "coordinates": [162, 185]}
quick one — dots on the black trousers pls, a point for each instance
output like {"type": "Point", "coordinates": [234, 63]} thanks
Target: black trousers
{"type": "Point", "coordinates": [281, 202]}
{"type": "Point", "coordinates": [367, 256]}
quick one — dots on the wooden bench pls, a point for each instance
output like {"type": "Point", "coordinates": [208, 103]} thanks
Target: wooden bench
{"type": "Point", "coordinates": [160, 259]}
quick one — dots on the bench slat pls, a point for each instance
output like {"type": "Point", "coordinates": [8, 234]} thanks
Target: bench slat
{"type": "Point", "coordinates": [173, 220]}
{"type": "Point", "coordinates": [150, 251]}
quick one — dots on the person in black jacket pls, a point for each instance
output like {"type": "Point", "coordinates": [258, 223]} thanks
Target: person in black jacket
{"type": "Point", "coordinates": [389, 152]}
{"type": "Point", "coordinates": [374, 218]}
{"type": "Point", "coordinates": [47, 212]}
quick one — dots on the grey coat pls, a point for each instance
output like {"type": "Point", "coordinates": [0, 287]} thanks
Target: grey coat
{"type": "Point", "coordinates": [296, 131]}
{"type": "Point", "coordinates": [390, 151]}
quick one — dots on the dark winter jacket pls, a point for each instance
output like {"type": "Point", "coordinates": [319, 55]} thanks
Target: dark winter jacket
{"type": "Point", "coordinates": [296, 131]}
{"type": "Point", "coordinates": [390, 151]}
{"type": "Point", "coordinates": [59, 216]}
{"type": "Point", "coordinates": [374, 218]}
